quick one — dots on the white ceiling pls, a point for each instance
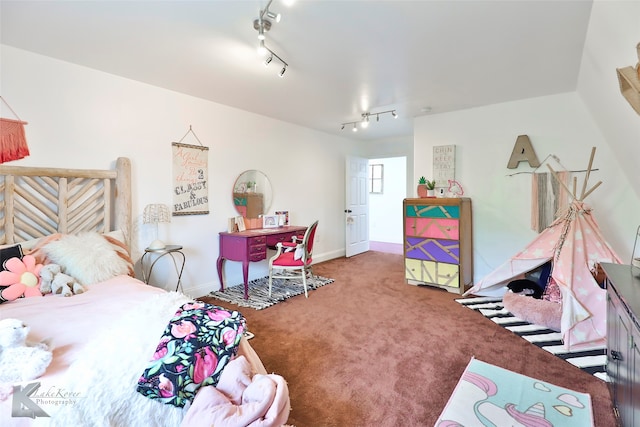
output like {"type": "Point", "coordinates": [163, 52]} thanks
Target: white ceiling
{"type": "Point", "coordinates": [345, 57]}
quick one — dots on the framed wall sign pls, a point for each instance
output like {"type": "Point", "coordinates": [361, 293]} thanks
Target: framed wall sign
{"type": "Point", "coordinates": [444, 164]}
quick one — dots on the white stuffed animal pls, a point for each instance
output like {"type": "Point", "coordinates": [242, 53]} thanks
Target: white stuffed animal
{"type": "Point", "coordinates": [53, 280]}
{"type": "Point", "coordinates": [19, 360]}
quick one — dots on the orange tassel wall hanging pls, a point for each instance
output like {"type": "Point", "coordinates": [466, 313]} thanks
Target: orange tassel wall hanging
{"type": "Point", "coordinates": [13, 140]}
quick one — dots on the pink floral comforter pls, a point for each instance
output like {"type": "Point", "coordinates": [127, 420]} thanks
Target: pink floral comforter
{"type": "Point", "coordinates": [194, 349]}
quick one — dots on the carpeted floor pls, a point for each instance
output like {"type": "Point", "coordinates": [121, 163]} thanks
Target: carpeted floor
{"type": "Point", "coordinates": [592, 360]}
{"type": "Point", "coordinates": [259, 291]}
{"type": "Point", "coordinates": [371, 350]}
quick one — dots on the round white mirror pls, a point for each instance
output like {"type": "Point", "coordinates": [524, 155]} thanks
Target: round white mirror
{"type": "Point", "coordinates": [252, 194]}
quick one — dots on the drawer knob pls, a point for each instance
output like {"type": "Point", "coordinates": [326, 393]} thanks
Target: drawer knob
{"type": "Point", "coordinates": [616, 355]}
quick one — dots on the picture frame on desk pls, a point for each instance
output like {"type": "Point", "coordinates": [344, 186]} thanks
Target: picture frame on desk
{"type": "Point", "coordinates": [270, 221]}
{"type": "Point", "coordinates": [284, 217]}
{"type": "Point", "coordinates": [240, 223]}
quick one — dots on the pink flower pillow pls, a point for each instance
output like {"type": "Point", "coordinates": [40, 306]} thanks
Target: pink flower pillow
{"type": "Point", "coordinates": [21, 277]}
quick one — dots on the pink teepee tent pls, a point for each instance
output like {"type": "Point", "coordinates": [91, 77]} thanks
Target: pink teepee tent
{"type": "Point", "coordinates": [575, 246]}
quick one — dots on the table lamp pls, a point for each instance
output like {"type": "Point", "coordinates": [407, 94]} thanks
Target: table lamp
{"type": "Point", "coordinates": [154, 214]}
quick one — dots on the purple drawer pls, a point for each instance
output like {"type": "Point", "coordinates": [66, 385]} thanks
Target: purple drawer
{"type": "Point", "coordinates": [432, 249]}
{"type": "Point", "coordinates": [257, 240]}
{"type": "Point", "coordinates": [259, 256]}
{"type": "Point", "coordinates": [272, 241]}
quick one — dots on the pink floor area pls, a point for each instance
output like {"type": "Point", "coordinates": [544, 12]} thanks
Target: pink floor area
{"type": "Point", "coordinates": [390, 248]}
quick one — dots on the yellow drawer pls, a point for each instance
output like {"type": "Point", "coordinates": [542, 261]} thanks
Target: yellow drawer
{"type": "Point", "coordinates": [437, 273]}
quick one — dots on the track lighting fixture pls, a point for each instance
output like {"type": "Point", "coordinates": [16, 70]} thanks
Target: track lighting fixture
{"type": "Point", "coordinates": [365, 119]}
{"type": "Point", "coordinates": [262, 25]}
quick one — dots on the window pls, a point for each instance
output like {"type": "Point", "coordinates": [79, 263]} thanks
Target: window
{"type": "Point", "coordinates": [376, 176]}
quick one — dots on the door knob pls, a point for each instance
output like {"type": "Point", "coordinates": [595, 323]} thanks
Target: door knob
{"type": "Point", "coordinates": [347, 211]}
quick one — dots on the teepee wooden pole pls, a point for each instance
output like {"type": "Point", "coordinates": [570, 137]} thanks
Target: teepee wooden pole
{"type": "Point", "coordinates": [555, 175]}
{"type": "Point", "coordinates": [586, 177]}
{"type": "Point", "coordinates": [591, 190]}
{"type": "Point", "coordinates": [575, 186]}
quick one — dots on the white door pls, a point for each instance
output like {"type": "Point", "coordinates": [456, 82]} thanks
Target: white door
{"type": "Point", "coordinates": [356, 213]}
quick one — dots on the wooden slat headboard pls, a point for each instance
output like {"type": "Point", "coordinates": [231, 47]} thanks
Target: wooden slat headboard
{"type": "Point", "coordinates": [36, 201]}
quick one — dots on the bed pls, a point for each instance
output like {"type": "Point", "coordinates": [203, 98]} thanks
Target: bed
{"type": "Point", "coordinates": [106, 341]}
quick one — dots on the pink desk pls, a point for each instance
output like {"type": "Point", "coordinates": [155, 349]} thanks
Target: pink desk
{"type": "Point", "coordinates": [251, 246]}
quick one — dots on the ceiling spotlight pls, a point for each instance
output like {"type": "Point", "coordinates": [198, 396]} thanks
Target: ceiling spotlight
{"type": "Point", "coordinates": [342, 128]}
{"type": "Point", "coordinates": [275, 16]}
{"type": "Point", "coordinates": [268, 60]}
{"type": "Point", "coordinates": [394, 114]}
{"type": "Point", "coordinates": [355, 128]}
{"type": "Point", "coordinates": [282, 71]}
{"type": "Point", "coordinates": [365, 122]}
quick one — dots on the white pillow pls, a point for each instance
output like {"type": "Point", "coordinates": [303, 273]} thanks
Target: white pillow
{"type": "Point", "coordinates": [88, 257]}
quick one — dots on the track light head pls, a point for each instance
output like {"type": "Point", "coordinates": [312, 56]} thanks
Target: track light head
{"type": "Point", "coordinates": [275, 16]}
{"type": "Point", "coordinates": [365, 121]}
{"type": "Point", "coordinates": [394, 114]}
{"type": "Point", "coordinates": [342, 128]}
{"type": "Point", "coordinates": [268, 60]}
{"type": "Point", "coordinates": [355, 128]}
{"type": "Point", "coordinates": [284, 69]}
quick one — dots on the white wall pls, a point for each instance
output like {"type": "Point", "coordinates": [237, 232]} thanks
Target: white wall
{"type": "Point", "coordinates": [614, 32]}
{"type": "Point", "coordinates": [82, 118]}
{"type": "Point", "coordinates": [484, 138]}
{"type": "Point", "coordinates": [385, 210]}
{"type": "Point", "coordinates": [566, 125]}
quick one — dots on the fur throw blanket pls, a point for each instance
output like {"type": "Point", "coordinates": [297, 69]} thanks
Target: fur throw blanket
{"type": "Point", "coordinates": [536, 311]}
{"type": "Point", "coordinates": [107, 375]}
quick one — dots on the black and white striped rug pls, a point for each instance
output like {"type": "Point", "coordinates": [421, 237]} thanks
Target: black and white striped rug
{"type": "Point", "coordinates": [259, 291]}
{"type": "Point", "coordinates": [591, 360]}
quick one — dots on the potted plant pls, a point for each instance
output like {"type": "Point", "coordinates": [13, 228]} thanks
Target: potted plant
{"type": "Point", "coordinates": [431, 188]}
{"type": "Point", "coordinates": [426, 188]}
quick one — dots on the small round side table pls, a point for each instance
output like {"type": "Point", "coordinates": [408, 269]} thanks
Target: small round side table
{"type": "Point", "coordinates": [167, 250]}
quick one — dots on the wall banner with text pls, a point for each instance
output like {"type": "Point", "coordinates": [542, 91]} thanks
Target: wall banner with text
{"type": "Point", "coordinates": [190, 179]}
